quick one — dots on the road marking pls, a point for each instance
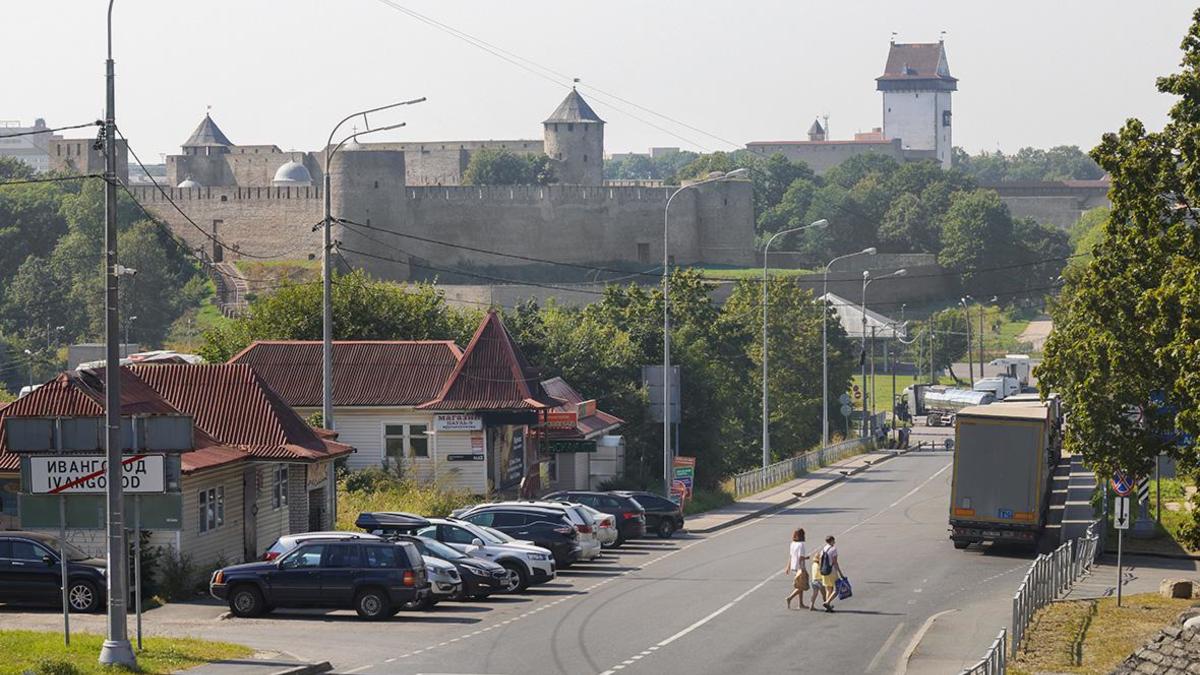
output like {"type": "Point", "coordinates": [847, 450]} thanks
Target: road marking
{"type": "Point", "coordinates": [886, 646]}
{"type": "Point", "coordinates": [897, 502]}
{"type": "Point", "coordinates": [902, 665]}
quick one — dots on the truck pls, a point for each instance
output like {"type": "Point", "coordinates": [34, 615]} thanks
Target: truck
{"type": "Point", "coordinates": [1018, 366]}
{"type": "Point", "coordinates": [940, 403]}
{"type": "Point", "coordinates": [1004, 458]}
{"type": "Point", "coordinates": [1000, 386]}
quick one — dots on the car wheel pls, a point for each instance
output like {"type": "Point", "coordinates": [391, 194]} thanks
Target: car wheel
{"type": "Point", "coordinates": [246, 601]}
{"type": "Point", "coordinates": [960, 545]}
{"type": "Point", "coordinates": [372, 604]}
{"type": "Point", "coordinates": [517, 579]}
{"type": "Point", "coordinates": [666, 528]}
{"type": "Point", "coordinates": [82, 596]}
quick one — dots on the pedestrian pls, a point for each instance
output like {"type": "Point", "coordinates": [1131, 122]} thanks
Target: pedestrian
{"type": "Point", "coordinates": [830, 570]}
{"type": "Point", "coordinates": [797, 555]}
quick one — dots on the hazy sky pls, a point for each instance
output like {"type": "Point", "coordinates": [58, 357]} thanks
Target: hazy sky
{"type": "Point", "coordinates": [283, 72]}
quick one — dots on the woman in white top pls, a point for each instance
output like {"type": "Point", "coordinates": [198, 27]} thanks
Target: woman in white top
{"type": "Point", "coordinates": [797, 554]}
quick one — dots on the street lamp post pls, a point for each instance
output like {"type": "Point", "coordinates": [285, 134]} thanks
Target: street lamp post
{"type": "Point", "coordinates": [825, 343]}
{"type": "Point", "coordinates": [970, 359]}
{"type": "Point", "coordinates": [326, 259]}
{"type": "Point", "coordinates": [766, 430]}
{"type": "Point", "coordinates": [30, 355]}
{"type": "Point", "coordinates": [867, 279]}
{"type": "Point", "coordinates": [128, 330]}
{"type": "Point", "coordinates": [666, 288]}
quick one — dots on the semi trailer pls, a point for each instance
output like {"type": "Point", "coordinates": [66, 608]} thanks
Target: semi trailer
{"type": "Point", "coordinates": [939, 404]}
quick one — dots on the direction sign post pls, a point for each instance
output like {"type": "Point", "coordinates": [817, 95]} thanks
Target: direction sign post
{"type": "Point", "coordinates": [1121, 522]}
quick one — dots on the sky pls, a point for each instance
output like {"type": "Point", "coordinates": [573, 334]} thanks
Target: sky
{"type": "Point", "coordinates": [698, 74]}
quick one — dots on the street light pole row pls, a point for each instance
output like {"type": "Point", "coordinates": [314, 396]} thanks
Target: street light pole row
{"type": "Point", "coordinates": [869, 397]}
{"type": "Point", "coordinates": [825, 342]}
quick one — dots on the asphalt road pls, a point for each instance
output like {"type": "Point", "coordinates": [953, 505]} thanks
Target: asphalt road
{"type": "Point", "coordinates": [691, 604]}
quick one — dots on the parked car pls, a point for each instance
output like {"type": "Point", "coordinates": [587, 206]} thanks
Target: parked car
{"type": "Point", "coordinates": [375, 578]}
{"type": "Point", "coordinates": [630, 515]}
{"type": "Point", "coordinates": [663, 516]}
{"type": "Point", "coordinates": [605, 526]}
{"type": "Point", "coordinates": [445, 583]}
{"type": "Point", "coordinates": [480, 578]}
{"type": "Point", "coordinates": [30, 572]}
{"type": "Point", "coordinates": [290, 541]}
{"type": "Point", "coordinates": [527, 564]}
{"type": "Point", "coordinates": [539, 522]}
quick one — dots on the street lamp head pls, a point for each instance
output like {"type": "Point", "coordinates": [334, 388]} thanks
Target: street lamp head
{"type": "Point", "coordinates": [900, 272]}
{"type": "Point", "coordinates": [866, 274]}
{"type": "Point", "coordinates": [736, 174]}
{"type": "Point", "coordinates": [822, 223]}
{"type": "Point", "coordinates": [28, 353]}
{"type": "Point", "coordinates": [870, 250]}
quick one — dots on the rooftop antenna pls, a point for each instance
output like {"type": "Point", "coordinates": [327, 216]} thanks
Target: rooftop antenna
{"type": "Point", "coordinates": [942, 36]}
{"type": "Point", "coordinates": [825, 119]}
{"type": "Point", "coordinates": [574, 81]}
{"type": "Point", "coordinates": [894, 34]}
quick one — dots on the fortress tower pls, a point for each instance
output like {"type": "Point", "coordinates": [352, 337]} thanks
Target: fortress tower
{"type": "Point", "coordinates": [574, 141]}
{"type": "Point", "coordinates": [916, 85]}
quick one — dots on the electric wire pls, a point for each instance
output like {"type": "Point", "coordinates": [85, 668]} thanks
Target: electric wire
{"type": "Point", "coordinates": [35, 132]}
{"type": "Point", "coordinates": [51, 179]}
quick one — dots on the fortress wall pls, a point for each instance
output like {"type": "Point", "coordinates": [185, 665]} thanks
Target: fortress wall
{"type": "Point", "coordinates": [368, 188]}
{"type": "Point", "coordinates": [258, 169]}
{"type": "Point", "coordinates": [519, 146]}
{"type": "Point", "coordinates": [435, 167]}
{"type": "Point", "coordinates": [262, 221]}
{"type": "Point", "coordinates": [724, 236]}
{"type": "Point", "coordinates": [1060, 211]}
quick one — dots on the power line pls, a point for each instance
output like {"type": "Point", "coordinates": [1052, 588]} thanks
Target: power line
{"type": "Point", "coordinates": [51, 179]}
{"type": "Point", "coordinates": [166, 196]}
{"type": "Point", "coordinates": [35, 132]}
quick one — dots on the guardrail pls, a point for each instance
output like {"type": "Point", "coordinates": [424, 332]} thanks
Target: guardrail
{"type": "Point", "coordinates": [995, 661]}
{"type": "Point", "coordinates": [757, 480]}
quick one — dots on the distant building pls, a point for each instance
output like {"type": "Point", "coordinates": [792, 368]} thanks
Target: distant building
{"type": "Point", "coordinates": [916, 86]}
{"type": "Point", "coordinates": [33, 149]}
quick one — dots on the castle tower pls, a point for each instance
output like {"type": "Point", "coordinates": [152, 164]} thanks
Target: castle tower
{"type": "Point", "coordinates": [204, 158]}
{"type": "Point", "coordinates": [574, 141]}
{"type": "Point", "coordinates": [816, 132]}
{"type": "Point", "coordinates": [207, 139]}
{"type": "Point", "coordinates": [916, 85]}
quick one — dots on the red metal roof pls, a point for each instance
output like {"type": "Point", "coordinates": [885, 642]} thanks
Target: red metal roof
{"type": "Point", "coordinates": [234, 404]}
{"type": "Point", "coordinates": [584, 426]}
{"type": "Point", "coordinates": [917, 61]}
{"type": "Point", "coordinates": [492, 375]}
{"type": "Point", "coordinates": [82, 395]}
{"type": "Point", "coordinates": [365, 373]}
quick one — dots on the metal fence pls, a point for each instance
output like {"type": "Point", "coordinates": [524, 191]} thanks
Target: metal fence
{"type": "Point", "coordinates": [757, 480]}
{"type": "Point", "coordinates": [1049, 576]}
{"type": "Point", "coordinates": [995, 661]}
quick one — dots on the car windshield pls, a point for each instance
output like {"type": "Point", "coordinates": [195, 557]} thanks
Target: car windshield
{"type": "Point", "coordinates": [495, 536]}
{"type": "Point", "coordinates": [74, 553]}
{"type": "Point", "coordinates": [440, 550]}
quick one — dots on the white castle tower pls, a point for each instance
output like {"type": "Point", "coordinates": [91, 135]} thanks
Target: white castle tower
{"type": "Point", "coordinates": [916, 86]}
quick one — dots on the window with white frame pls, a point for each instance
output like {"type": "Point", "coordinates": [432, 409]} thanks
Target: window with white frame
{"type": "Point", "coordinates": [279, 490]}
{"type": "Point", "coordinates": [405, 441]}
{"type": "Point", "coordinates": [212, 508]}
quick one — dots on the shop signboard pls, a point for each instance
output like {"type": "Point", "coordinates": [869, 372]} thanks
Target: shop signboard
{"type": "Point", "coordinates": [457, 422]}
{"type": "Point", "coordinates": [559, 446]}
{"type": "Point", "coordinates": [683, 472]}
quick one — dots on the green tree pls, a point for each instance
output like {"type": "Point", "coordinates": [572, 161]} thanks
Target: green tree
{"type": "Point", "coordinates": [1062, 162]}
{"type": "Point", "coordinates": [1127, 333]}
{"type": "Point", "coordinates": [30, 222]}
{"type": "Point", "coordinates": [949, 340]}
{"type": "Point", "coordinates": [12, 168]}
{"type": "Point", "coordinates": [363, 309]}
{"type": "Point", "coordinates": [495, 166]}
{"type": "Point", "coordinates": [977, 235]}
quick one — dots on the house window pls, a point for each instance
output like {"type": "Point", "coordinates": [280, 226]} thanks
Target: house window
{"type": "Point", "coordinates": [570, 127]}
{"type": "Point", "coordinates": [405, 441]}
{"type": "Point", "coordinates": [279, 493]}
{"type": "Point", "coordinates": [212, 508]}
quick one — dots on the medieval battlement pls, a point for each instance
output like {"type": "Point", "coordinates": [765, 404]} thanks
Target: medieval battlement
{"type": "Point", "coordinates": [149, 193]}
{"type": "Point", "coordinates": [572, 194]}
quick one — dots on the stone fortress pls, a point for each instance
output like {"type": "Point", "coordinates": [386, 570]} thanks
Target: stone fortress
{"type": "Point", "coordinates": [265, 201]}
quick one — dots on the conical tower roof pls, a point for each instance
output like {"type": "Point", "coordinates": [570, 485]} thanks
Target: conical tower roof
{"type": "Point", "coordinates": [816, 129]}
{"type": "Point", "coordinates": [208, 134]}
{"type": "Point", "coordinates": [573, 109]}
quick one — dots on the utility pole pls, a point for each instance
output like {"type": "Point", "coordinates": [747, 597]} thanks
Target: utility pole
{"type": "Point", "coordinates": [981, 340]}
{"type": "Point", "coordinates": [116, 649]}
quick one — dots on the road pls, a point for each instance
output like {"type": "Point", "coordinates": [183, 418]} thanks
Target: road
{"type": "Point", "coordinates": [691, 604]}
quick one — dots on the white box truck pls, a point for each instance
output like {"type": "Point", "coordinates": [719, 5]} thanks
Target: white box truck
{"type": "Point", "coordinates": [1004, 456]}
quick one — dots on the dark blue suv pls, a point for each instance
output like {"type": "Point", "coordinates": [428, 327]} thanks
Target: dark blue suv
{"type": "Point", "coordinates": [30, 572]}
{"type": "Point", "coordinates": [374, 578]}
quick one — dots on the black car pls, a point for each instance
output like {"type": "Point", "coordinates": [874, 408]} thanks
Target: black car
{"type": "Point", "coordinates": [663, 516]}
{"type": "Point", "coordinates": [30, 572]}
{"type": "Point", "coordinates": [375, 578]}
{"type": "Point", "coordinates": [480, 578]}
{"type": "Point", "coordinates": [630, 515]}
{"type": "Point", "coordinates": [548, 528]}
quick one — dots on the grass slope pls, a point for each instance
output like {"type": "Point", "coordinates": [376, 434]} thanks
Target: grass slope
{"type": "Point", "coordinates": [43, 652]}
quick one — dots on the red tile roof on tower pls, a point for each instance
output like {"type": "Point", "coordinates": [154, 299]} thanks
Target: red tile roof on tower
{"type": "Point", "coordinates": [917, 62]}
{"type": "Point", "coordinates": [82, 395]}
{"type": "Point", "coordinates": [365, 373]}
{"type": "Point", "coordinates": [492, 375]}
{"type": "Point", "coordinates": [585, 427]}
{"type": "Point", "coordinates": [235, 405]}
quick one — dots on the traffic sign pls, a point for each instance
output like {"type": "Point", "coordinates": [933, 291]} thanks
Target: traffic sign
{"type": "Point", "coordinates": [844, 399]}
{"type": "Point", "coordinates": [75, 474]}
{"type": "Point", "coordinates": [1121, 513]}
{"type": "Point", "coordinates": [1121, 484]}
{"type": "Point", "coordinates": [1143, 490]}
{"type": "Point", "coordinates": [845, 410]}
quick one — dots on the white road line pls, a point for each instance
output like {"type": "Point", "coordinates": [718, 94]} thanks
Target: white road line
{"type": "Point", "coordinates": [897, 502]}
{"type": "Point", "coordinates": [902, 666]}
{"type": "Point", "coordinates": [719, 612]}
{"type": "Point", "coordinates": [886, 646]}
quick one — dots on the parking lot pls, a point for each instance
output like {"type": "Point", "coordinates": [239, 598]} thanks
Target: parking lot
{"type": "Point", "coordinates": [341, 638]}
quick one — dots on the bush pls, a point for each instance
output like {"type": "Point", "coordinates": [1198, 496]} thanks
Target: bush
{"type": "Point", "coordinates": [396, 494]}
{"type": "Point", "coordinates": [706, 499]}
{"type": "Point", "coordinates": [53, 666]}
{"type": "Point", "coordinates": [373, 479]}
{"type": "Point", "coordinates": [626, 483]}
{"type": "Point", "coordinates": [177, 575]}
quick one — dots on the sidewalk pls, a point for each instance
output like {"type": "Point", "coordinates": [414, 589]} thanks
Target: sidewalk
{"type": "Point", "coordinates": [1142, 574]}
{"type": "Point", "coordinates": [784, 495]}
{"type": "Point", "coordinates": [280, 665]}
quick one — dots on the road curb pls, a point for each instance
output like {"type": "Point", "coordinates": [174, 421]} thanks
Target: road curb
{"type": "Point", "coordinates": [841, 476]}
{"type": "Point", "coordinates": [306, 669]}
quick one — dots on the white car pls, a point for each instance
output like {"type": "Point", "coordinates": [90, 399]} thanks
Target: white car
{"type": "Point", "coordinates": [585, 528]}
{"type": "Point", "coordinates": [605, 525]}
{"type": "Point", "coordinates": [528, 565]}
{"type": "Point", "coordinates": [444, 583]}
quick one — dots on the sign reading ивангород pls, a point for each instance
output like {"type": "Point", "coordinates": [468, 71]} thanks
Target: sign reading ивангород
{"type": "Point", "coordinates": [81, 474]}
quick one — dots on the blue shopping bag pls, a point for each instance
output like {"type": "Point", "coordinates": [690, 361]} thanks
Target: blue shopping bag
{"type": "Point", "coordinates": [842, 585]}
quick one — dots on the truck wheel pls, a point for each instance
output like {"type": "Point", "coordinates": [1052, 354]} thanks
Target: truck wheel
{"type": "Point", "coordinates": [246, 601]}
{"type": "Point", "coordinates": [372, 604]}
{"type": "Point", "coordinates": [960, 545]}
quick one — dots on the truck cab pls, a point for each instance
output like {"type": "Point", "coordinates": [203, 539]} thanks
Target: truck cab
{"type": "Point", "coordinates": [1000, 386]}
